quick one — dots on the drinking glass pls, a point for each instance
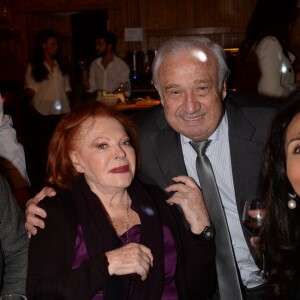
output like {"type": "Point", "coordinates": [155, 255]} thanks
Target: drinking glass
{"type": "Point", "coordinates": [253, 215]}
{"type": "Point", "coordinates": [123, 87]}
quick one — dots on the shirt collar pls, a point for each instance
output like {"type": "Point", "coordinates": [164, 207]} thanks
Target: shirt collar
{"type": "Point", "coordinates": [48, 67]}
{"type": "Point", "coordinates": [99, 59]}
{"type": "Point", "coordinates": [221, 133]}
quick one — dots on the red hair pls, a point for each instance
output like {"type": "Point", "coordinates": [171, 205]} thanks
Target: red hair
{"type": "Point", "coordinates": [61, 171]}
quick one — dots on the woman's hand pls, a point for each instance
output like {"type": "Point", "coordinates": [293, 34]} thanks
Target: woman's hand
{"type": "Point", "coordinates": [35, 213]}
{"type": "Point", "coordinates": [129, 259]}
{"type": "Point", "coordinates": [189, 197]}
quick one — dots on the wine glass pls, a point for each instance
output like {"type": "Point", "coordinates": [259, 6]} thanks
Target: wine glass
{"type": "Point", "coordinates": [123, 87]}
{"type": "Point", "coordinates": [253, 215]}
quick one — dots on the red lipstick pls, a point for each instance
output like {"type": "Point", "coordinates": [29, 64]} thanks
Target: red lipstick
{"type": "Point", "coordinates": [120, 170]}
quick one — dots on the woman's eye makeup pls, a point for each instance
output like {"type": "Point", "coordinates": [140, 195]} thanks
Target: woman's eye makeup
{"type": "Point", "coordinates": [293, 147]}
{"type": "Point", "coordinates": [102, 146]}
{"type": "Point", "coordinates": [127, 143]}
{"type": "Point", "coordinates": [297, 149]}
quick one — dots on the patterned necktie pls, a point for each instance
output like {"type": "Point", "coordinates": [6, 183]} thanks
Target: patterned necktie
{"type": "Point", "coordinates": [228, 279]}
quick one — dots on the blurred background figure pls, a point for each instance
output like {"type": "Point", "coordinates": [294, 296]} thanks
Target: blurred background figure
{"type": "Point", "coordinates": [12, 160]}
{"type": "Point", "coordinates": [13, 244]}
{"type": "Point", "coordinates": [47, 86]}
{"type": "Point", "coordinates": [279, 242]}
{"type": "Point", "coordinates": [107, 73]}
{"type": "Point", "coordinates": [47, 81]}
{"type": "Point", "coordinates": [264, 63]}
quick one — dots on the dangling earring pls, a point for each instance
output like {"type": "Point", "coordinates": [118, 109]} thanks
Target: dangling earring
{"type": "Point", "coordinates": [292, 203]}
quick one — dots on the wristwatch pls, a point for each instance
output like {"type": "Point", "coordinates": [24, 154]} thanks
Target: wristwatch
{"type": "Point", "coordinates": [208, 233]}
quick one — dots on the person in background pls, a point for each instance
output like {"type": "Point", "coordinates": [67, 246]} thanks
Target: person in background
{"type": "Point", "coordinates": [279, 239]}
{"type": "Point", "coordinates": [47, 82]}
{"type": "Point", "coordinates": [108, 72]}
{"type": "Point", "coordinates": [190, 75]}
{"type": "Point", "coordinates": [264, 64]}
{"type": "Point", "coordinates": [47, 86]}
{"type": "Point", "coordinates": [13, 244]}
{"type": "Point", "coordinates": [12, 160]}
{"type": "Point", "coordinates": [106, 235]}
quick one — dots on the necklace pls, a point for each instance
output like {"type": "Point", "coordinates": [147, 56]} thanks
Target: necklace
{"type": "Point", "coordinates": [127, 219]}
{"type": "Point", "coordinates": [125, 239]}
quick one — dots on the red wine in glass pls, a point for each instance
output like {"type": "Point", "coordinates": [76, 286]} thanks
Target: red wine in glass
{"type": "Point", "coordinates": [253, 215]}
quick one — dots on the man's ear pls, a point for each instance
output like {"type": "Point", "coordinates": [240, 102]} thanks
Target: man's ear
{"type": "Point", "coordinates": [224, 90]}
{"type": "Point", "coordinates": [160, 95]}
{"type": "Point", "coordinates": [75, 161]}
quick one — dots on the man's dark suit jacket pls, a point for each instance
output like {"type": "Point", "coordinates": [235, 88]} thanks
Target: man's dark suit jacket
{"type": "Point", "coordinates": [249, 119]}
{"type": "Point", "coordinates": [13, 243]}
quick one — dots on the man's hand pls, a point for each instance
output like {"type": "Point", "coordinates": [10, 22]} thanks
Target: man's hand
{"type": "Point", "coordinates": [35, 213]}
{"type": "Point", "coordinates": [189, 197]}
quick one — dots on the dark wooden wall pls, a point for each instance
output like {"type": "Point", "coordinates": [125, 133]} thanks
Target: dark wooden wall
{"type": "Point", "coordinates": [222, 20]}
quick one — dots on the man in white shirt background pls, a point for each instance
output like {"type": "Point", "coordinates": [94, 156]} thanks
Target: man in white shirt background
{"type": "Point", "coordinates": [108, 72]}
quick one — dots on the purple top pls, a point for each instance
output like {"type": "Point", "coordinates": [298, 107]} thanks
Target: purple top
{"type": "Point", "coordinates": [169, 292]}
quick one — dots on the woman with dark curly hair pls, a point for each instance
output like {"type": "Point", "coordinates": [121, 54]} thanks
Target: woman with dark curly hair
{"type": "Point", "coordinates": [280, 234]}
{"type": "Point", "coordinates": [264, 62]}
{"type": "Point", "coordinates": [47, 86]}
{"type": "Point", "coordinates": [47, 81]}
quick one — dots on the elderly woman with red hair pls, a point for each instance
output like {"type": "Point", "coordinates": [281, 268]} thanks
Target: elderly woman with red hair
{"type": "Point", "coordinates": [106, 235]}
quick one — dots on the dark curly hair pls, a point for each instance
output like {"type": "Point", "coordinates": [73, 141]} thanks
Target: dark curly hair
{"type": "Point", "coordinates": [109, 37]}
{"type": "Point", "coordinates": [39, 71]}
{"type": "Point", "coordinates": [270, 18]}
{"type": "Point", "coordinates": [280, 234]}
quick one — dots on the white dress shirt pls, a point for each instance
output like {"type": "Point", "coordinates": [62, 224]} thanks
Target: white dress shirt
{"type": "Point", "coordinates": [218, 153]}
{"type": "Point", "coordinates": [108, 79]}
{"type": "Point", "coordinates": [277, 74]}
{"type": "Point", "coordinates": [12, 158]}
{"type": "Point", "coordinates": [50, 94]}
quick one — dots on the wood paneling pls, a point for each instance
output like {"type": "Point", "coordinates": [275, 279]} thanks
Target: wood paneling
{"type": "Point", "coordinates": [156, 15]}
{"type": "Point", "coordinates": [194, 15]}
{"type": "Point", "coordinates": [222, 20]}
{"type": "Point", "coordinates": [30, 6]}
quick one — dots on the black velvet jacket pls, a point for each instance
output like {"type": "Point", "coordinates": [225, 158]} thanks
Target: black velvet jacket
{"type": "Point", "coordinates": [50, 274]}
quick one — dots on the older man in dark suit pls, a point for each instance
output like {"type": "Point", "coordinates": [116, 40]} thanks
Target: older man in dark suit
{"type": "Point", "coordinates": [190, 76]}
